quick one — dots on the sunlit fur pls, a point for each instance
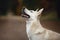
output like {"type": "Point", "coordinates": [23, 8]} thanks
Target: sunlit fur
{"type": "Point", "coordinates": [34, 29]}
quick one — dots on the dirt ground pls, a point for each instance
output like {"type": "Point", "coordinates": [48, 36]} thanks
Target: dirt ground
{"type": "Point", "coordinates": [13, 27]}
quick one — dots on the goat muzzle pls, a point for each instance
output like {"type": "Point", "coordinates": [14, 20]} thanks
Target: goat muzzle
{"type": "Point", "coordinates": [23, 14]}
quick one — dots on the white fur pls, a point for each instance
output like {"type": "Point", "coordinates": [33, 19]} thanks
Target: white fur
{"type": "Point", "coordinates": [34, 29]}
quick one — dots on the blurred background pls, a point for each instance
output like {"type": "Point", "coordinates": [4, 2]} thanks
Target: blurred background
{"type": "Point", "coordinates": [12, 25]}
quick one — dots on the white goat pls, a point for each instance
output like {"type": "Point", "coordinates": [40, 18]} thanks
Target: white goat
{"type": "Point", "coordinates": [35, 31]}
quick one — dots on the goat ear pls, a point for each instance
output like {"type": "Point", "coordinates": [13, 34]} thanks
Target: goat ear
{"type": "Point", "coordinates": [37, 9]}
{"type": "Point", "coordinates": [40, 11]}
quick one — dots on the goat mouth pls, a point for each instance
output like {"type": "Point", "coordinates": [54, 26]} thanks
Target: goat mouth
{"type": "Point", "coordinates": [25, 15]}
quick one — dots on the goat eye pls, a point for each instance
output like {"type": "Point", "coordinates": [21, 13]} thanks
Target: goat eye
{"type": "Point", "coordinates": [31, 10]}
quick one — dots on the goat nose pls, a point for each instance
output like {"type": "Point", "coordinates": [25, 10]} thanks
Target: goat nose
{"type": "Point", "coordinates": [23, 8]}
